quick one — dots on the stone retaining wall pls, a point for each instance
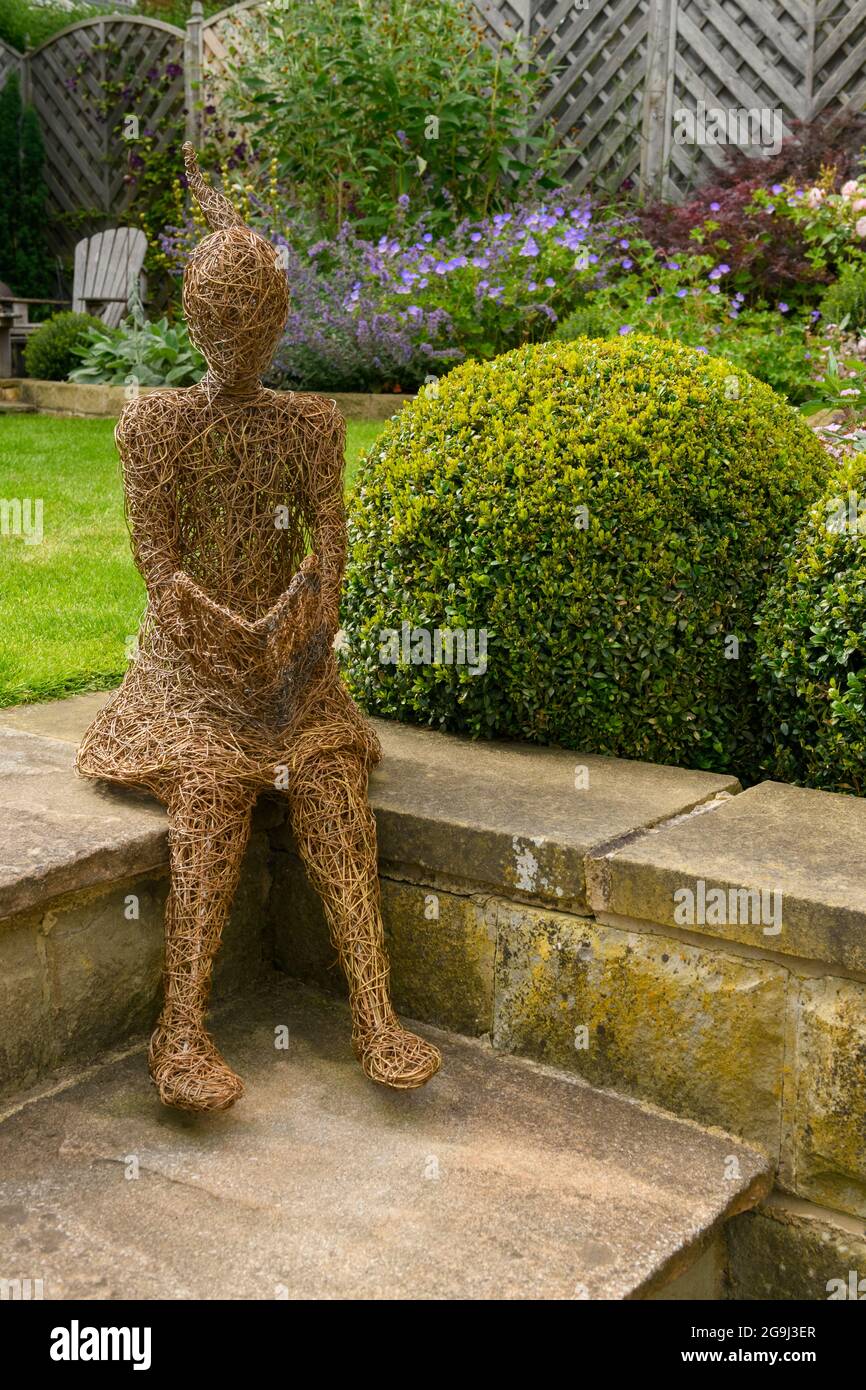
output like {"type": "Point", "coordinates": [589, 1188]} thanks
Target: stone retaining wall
{"type": "Point", "coordinates": [531, 904]}
{"type": "Point", "coordinates": [72, 398]}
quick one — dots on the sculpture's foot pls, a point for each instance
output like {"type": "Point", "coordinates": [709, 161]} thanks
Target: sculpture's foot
{"type": "Point", "coordinates": [395, 1057]}
{"type": "Point", "coordinates": [189, 1073]}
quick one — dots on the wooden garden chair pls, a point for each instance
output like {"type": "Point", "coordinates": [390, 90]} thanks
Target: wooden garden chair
{"type": "Point", "coordinates": [108, 268]}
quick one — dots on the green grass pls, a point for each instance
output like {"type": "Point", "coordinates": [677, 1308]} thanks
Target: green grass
{"type": "Point", "coordinates": [69, 605]}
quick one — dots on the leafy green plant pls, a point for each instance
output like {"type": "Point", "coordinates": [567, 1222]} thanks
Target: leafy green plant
{"type": "Point", "coordinates": [686, 299]}
{"type": "Point", "coordinates": [149, 354]}
{"type": "Point", "coordinates": [811, 643]}
{"type": "Point", "coordinates": [609, 516]}
{"type": "Point", "coordinates": [25, 261]}
{"type": "Point", "coordinates": [833, 224]}
{"type": "Point", "coordinates": [844, 303]}
{"type": "Point", "coordinates": [364, 104]}
{"type": "Point", "coordinates": [24, 24]}
{"type": "Point", "coordinates": [52, 351]}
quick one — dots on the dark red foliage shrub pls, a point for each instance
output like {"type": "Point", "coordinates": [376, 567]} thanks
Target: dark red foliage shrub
{"type": "Point", "coordinates": [767, 253]}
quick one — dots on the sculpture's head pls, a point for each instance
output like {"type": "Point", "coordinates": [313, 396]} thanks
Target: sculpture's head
{"type": "Point", "coordinates": [235, 291]}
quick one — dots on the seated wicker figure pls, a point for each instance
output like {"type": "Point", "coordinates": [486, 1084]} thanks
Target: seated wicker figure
{"type": "Point", "coordinates": [235, 687]}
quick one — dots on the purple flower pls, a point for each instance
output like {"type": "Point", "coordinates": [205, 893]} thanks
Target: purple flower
{"type": "Point", "coordinates": [776, 188]}
{"type": "Point", "coordinates": [701, 349]}
{"type": "Point", "coordinates": [714, 289]}
{"type": "Point", "coordinates": [681, 294]}
{"type": "Point", "coordinates": [625, 328]}
{"type": "Point", "coordinates": [474, 236]}
{"type": "Point", "coordinates": [529, 247]}
{"type": "Point", "coordinates": [672, 265]}
{"type": "Point", "coordinates": [627, 263]}
{"type": "Point", "coordinates": [714, 207]}
{"type": "Point", "coordinates": [782, 307]}
{"type": "Point", "coordinates": [624, 245]}
{"type": "Point", "coordinates": [550, 282]}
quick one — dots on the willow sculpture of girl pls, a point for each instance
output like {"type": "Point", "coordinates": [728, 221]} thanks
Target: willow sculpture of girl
{"type": "Point", "coordinates": [235, 687]}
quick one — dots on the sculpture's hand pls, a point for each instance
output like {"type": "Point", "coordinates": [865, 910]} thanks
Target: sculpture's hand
{"type": "Point", "coordinates": [297, 639]}
{"type": "Point", "coordinates": [224, 640]}
{"type": "Point", "coordinates": [290, 626]}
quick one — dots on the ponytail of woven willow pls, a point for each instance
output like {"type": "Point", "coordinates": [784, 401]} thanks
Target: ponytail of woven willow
{"type": "Point", "coordinates": [234, 501]}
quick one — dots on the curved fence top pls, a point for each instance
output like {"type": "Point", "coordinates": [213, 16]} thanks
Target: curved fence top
{"type": "Point", "coordinates": [142, 20]}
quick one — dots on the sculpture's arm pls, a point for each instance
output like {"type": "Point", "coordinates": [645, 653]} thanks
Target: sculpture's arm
{"type": "Point", "coordinates": [306, 617]}
{"type": "Point", "coordinates": [329, 520]}
{"type": "Point", "coordinates": [150, 513]}
{"type": "Point", "coordinates": [176, 600]}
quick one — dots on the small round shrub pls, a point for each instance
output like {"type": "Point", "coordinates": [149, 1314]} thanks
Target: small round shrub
{"type": "Point", "coordinates": [811, 643]}
{"type": "Point", "coordinates": [609, 513]}
{"type": "Point", "coordinates": [49, 354]}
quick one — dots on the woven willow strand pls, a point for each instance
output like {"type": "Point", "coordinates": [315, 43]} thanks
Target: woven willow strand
{"type": "Point", "coordinates": [234, 501]}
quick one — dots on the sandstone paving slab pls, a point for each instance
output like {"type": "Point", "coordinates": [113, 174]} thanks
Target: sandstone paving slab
{"type": "Point", "coordinates": [807, 847]}
{"type": "Point", "coordinates": [499, 1180]}
{"type": "Point", "coordinates": [59, 833]}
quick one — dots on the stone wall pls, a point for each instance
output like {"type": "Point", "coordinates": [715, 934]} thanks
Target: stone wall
{"type": "Point", "coordinates": [74, 398]}
{"type": "Point", "coordinates": [659, 932]}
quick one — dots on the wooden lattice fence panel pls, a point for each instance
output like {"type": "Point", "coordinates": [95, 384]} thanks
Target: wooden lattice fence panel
{"type": "Point", "coordinates": [225, 39]}
{"type": "Point", "coordinates": [616, 73]}
{"type": "Point", "coordinates": [596, 55]}
{"type": "Point", "coordinates": [838, 71]}
{"type": "Point", "coordinates": [84, 82]}
{"type": "Point", "coordinates": [735, 55]}
{"type": "Point", "coordinates": [10, 61]}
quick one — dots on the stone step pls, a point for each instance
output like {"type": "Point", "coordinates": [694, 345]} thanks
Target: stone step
{"type": "Point", "coordinates": [499, 1180]}
{"type": "Point", "coordinates": [13, 407]}
{"type": "Point", "coordinates": [520, 903]}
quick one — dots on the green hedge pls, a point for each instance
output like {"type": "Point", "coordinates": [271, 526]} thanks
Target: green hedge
{"type": "Point", "coordinates": [50, 354]}
{"type": "Point", "coordinates": [812, 644]}
{"type": "Point", "coordinates": [608, 629]}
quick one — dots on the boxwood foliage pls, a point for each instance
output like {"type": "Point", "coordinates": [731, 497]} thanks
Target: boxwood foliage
{"type": "Point", "coordinates": [50, 354]}
{"type": "Point", "coordinates": [609, 512]}
{"type": "Point", "coordinates": [811, 642]}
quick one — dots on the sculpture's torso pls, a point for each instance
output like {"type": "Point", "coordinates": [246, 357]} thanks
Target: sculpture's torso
{"type": "Point", "coordinates": [233, 491]}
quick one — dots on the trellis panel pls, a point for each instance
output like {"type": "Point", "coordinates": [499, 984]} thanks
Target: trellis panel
{"type": "Point", "coordinates": [10, 61]}
{"type": "Point", "coordinates": [72, 81]}
{"type": "Point", "coordinates": [616, 72]}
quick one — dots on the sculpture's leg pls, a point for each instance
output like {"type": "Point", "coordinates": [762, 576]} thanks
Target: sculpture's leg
{"type": "Point", "coordinates": [209, 826]}
{"type": "Point", "coordinates": [336, 835]}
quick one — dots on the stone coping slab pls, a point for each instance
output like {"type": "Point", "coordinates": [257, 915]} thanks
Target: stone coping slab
{"type": "Point", "coordinates": [515, 816]}
{"type": "Point", "coordinates": [58, 833]}
{"type": "Point", "coordinates": [809, 847]}
{"type": "Point", "coordinates": [500, 1180]}
{"type": "Point", "coordinates": [501, 816]}
{"type": "Point", "coordinates": [94, 401]}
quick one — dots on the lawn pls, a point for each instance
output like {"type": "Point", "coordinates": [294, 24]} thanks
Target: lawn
{"type": "Point", "coordinates": [70, 604]}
